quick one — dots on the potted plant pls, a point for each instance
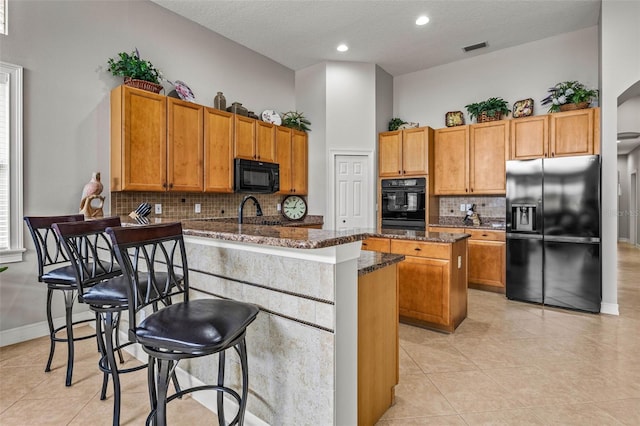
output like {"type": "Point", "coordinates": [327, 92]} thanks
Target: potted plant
{"type": "Point", "coordinates": [569, 95]}
{"type": "Point", "coordinates": [137, 72]}
{"type": "Point", "coordinates": [395, 124]}
{"type": "Point", "coordinates": [490, 110]}
{"type": "Point", "coordinates": [296, 120]}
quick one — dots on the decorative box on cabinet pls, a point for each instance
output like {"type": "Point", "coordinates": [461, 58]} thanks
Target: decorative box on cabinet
{"type": "Point", "coordinates": [405, 152]}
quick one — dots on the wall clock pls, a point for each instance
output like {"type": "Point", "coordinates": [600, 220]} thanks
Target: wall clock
{"type": "Point", "coordinates": [294, 207]}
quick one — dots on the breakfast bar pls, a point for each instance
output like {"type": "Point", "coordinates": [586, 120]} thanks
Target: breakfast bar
{"type": "Point", "coordinates": [312, 287]}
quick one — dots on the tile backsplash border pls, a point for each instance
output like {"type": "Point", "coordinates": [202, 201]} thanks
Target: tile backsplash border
{"type": "Point", "coordinates": [486, 206]}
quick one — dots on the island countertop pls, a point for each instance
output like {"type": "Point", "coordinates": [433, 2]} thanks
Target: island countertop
{"type": "Point", "coordinates": [370, 261]}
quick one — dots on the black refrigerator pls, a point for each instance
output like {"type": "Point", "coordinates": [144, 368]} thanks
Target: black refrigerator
{"type": "Point", "coordinates": [553, 232]}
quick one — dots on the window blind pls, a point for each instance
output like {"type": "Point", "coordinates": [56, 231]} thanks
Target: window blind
{"type": "Point", "coordinates": [5, 138]}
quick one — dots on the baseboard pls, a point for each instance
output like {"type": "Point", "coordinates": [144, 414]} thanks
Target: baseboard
{"type": "Point", "coordinates": [186, 380]}
{"type": "Point", "coordinates": [609, 308]}
{"type": "Point", "coordinates": [624, 240]}
{"type": "Point", "coordinates": [39, 329]}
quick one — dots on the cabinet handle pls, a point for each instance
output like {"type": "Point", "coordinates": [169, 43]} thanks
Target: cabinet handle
{"type": "Point", "coordinates": [399, 172]}
{"type": "Point", "coordinates": [466, 190]}
{"type": "Point", "coordinates": [553, 154]}
{"type": "Point", "coordinates": [170, 185]}
{"type": "Point", "coordinates": [471, 189]}
{"type": "Point", "coordinates": [417, 249]}
{"type": "Point", "coordinates": [164, 184]}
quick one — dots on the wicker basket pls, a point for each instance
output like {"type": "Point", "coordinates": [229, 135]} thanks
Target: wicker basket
{"type": "Point", "coordinates": [142, 84]}
{"type": "Point", "coordinates": [573, 107]}
{"type": "Point", "coordinates": [484, 117]}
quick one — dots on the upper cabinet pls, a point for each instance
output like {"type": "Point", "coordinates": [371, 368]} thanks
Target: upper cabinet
{"type": "Point", "coordinates": [559, 134]}
{"type": "Point", "coordinates": [404, 152]}
{"type": "Point", "coordinates": [254, 139]}
{"type": "Point", "coordinates": [138, 140]}
{"type": "Point", "coordinates": [184, 146]}
{"type": "Point", "coordinates": [292, 155]}
{"type": "Point", "coordinates": [218, 150]}
{"type": "Point", "coordinates": [471, 159]}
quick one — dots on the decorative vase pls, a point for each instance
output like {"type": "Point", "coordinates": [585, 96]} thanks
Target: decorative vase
{"type": "Point", "coordinates": [143, 84]}
{"type": "Point", "coordinates": [237, 108]}
{"type": "Point", "coordinates": [573, 107]}
{"type": "Point", "coordinates": [220, 102]}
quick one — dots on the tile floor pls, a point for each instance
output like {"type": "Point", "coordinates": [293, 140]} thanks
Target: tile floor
{"type": "Point", "coordinates": [509, 363]}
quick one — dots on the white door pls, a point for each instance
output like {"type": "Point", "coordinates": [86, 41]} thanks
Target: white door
{"type": "Point", "coordinates": [633, 210]}
{"type": "Point", "coordinates": [353, 190]}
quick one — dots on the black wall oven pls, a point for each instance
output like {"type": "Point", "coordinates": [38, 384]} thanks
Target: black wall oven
{"type": "Point", "coordinates": [403, 203]}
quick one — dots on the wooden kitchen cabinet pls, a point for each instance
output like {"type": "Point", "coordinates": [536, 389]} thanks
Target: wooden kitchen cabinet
{"type": "Point", "coordinates": [451, 158]}
{"type": "Point", "coordinates": [254, 139]}
{"type": "Point", "coordinates": [559, 134]}
{"type": "Point", "coordinates": [405, 152]}
{"type": "Point", "coordinates": [488, 153]}
{"type": "Point", "coordinates": [382, 245]}
{"type": "Point", "coordinates": [138, 140]}
{"type": "Point", "coordinates": [218, 150]}
{"type": "Point", "coordinates": [291, 155]}
{"type": "Point", "coordinates": [471, 159]}
{"type": "Point", "coordinates": [265, 146]}
{"type": "Point", "coordinates": [185, 154]}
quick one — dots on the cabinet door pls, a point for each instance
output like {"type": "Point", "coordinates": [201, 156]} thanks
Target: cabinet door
{"type": "Point", "coordinates": [218, 150]}
{"type": "Point", "coordinates": [572, 133]}
{"type": "Point", "coordinates": [390, 153]}
{"type": "Point", "coordinates": [487, 262]}
{"type": "Point", "coordinates": [424, 289]}
{"type": "Point", "coordinates": [450, 158]}
{"type": "Point", "coordinates": [265, 142]}
{"type": "Point", "coordinates": [244, 138]}
{"type": "Point", "coordinates": [530, 137]}
{"type": "Point", "coordinates": [184, 146]}
{"type": "Point", "coordinates": [283, 154]}
{"type": "Point", "coordinates": [299, 162]}
{"type": "Point", "coordinates": [144, 147]}
{"type": "Point", "coordinates": [488, 153]}
{"type": "Point", "coordinates": [377, 244]}
{"type": "Point", "coordinates": [415, 151]}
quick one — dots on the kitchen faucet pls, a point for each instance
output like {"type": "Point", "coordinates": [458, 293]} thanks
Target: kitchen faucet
{"type": "Point", "coordinates": [255, 203]}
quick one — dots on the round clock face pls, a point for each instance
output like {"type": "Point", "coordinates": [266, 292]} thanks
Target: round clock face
{"type": "Point", "coordinates": [294, 207]}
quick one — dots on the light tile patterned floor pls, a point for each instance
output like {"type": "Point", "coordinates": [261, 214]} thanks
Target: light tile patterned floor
{"type": "Point", "coordinates": [509, 363]}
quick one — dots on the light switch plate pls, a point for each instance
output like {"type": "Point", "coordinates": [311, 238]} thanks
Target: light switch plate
{"type": "Point", "coordinates": [463, 208]}
{"type": "Point", "coordinates": [158, 208]}
{"type": "Point", "coordinates": [198, 208]}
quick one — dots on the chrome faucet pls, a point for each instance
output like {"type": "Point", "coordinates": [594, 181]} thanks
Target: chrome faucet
{"type": "Point", "coordinates": [255, 203]}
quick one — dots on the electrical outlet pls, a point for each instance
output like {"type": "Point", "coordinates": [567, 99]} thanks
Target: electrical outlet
{"type": "Point", "coordinates": [158, 208]}
{"type": "Point", "coordinates": [463, 208]}
{"type": "Point", "coordinates": [279, 207]}
{"type": "Point", "coordinates": [197, 208]}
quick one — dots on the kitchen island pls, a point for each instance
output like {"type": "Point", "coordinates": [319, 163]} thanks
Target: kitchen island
{"type": "Point", "coordinates": [304, 346]}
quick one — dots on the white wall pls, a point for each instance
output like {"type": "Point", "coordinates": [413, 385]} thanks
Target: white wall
{"type": "Point", "coordinates": [516, 73]}
{"type": "Point", "coordinates": [64, 47]}
{"type": "Point", "coordinates": [619, 69]}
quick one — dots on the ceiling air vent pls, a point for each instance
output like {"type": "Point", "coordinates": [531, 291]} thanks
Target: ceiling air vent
{"type": "Point", "coordinates": [623, 136]}
{"type": "Point", "coordinates": [475, 46]}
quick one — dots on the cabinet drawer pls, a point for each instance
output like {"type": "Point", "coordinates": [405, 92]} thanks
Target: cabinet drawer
{"type": "Point", "coordinates": [447, 229]}
{"type": "Point", "coordinates": [377, 244]}
{"type": "Point", "coordinates": [421, 249]}
{"type": "Point", "coordinates": [483, 234]}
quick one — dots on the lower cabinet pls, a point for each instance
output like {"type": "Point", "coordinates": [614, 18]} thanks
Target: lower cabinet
{"type": "Point", "coordinates": [432, 280]}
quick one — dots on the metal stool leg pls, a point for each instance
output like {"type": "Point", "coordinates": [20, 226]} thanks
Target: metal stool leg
{"type": "Point", "coordinates": [164, 373]}
{"type": "Point", "coordinates": [103, 354]}
{"type": "Point", "coordinates": [52, 336]}
{"type": "Point", "coordinates": [69, 296]}
{"type": "Point", "coordinates": [242, 351]}
{"type": "Point", "coordinates": [113, 367]}
{"type": "Point", "coordinates": [220, 396]}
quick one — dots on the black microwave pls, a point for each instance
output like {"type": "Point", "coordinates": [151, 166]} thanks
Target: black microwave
{"type": "Point", "coordinates": [256, 176]}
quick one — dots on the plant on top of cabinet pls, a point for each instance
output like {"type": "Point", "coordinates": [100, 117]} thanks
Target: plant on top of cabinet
{"type": "Point", "coordinates": [137, 72]}
{"type": "Point", "coordinates": [490, 110]}
{"type": "Point", "coordinates": [569, 95]}
{"type": "Point", "coordinates": [395, 124]}
{"type": "Point", "coordinates": [296, 120]}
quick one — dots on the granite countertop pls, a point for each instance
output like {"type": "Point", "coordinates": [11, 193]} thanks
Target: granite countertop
{"type": "Point", "coordinates": [370, 261]}
{"type": "Point", "coordinates": [428, 236]}
{"type": "Point", "coordinates": [495, 223]}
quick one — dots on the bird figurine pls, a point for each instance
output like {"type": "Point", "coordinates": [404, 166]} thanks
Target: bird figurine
{"type": "Point", "coordinates": [90, 192]}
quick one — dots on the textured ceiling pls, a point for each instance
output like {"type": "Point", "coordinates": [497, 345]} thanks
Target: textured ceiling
{"type": "Point", "coordinates": [301, 33]}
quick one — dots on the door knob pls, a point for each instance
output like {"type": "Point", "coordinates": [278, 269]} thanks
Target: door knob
{"type": "Point", "coordinates": [344, 221]}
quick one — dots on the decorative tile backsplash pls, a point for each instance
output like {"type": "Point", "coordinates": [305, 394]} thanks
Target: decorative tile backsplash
{"type": "Point", "coordinates": [486, 206]}
{"type": "Point", "coordinates": [182, 204]}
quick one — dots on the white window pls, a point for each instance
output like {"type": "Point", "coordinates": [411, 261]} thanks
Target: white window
{"type": "Point", "coordinates": [11, 230]}
{"type": "Point", "coordinates": [3, 16]}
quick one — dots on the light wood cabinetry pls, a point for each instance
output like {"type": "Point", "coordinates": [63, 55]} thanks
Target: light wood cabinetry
{"type": "Point", "coordinates": [254, 139]}
{"type": "Point", "coordinates": [185, 156]}
{"type": "Point", "coordinates": [432, 280]}
{"type": "Point", "coordinates": [378, 346]}
{"type": "Point", "coordinates": [487, 257]}
{"type": "Point", "coordinates": [488, 153]}
{"type": "Point", "coordinates": [451, 158]}
{"type": "Point", "coordinates": [404, 152]}
{"type": "Point", "coordinates": [292, 154]}
{"type": "Point", "coordinates": [471, 159]}
{"type": "Point", "coordinates": [218, 150]}
{"type": "Point", "coordinates": [559, 134]}
{"type": "Point", "coordinates": [265, 142]}
{"type": "Point", "coordinates": [138, 140]}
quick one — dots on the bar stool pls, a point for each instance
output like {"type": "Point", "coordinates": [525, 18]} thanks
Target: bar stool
{"type": "Point", "coordinates": [188, 329]}
{"type": "Point", "coordinates": [56, 271]}
{"type": "Point", "coordinates": [101, 286]}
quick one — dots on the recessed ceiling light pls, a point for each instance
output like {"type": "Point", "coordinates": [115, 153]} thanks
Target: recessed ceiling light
{"type": "Point", "coordinates": [422, 20]}
{"type": "Point", "coordinates": [342, 48]}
